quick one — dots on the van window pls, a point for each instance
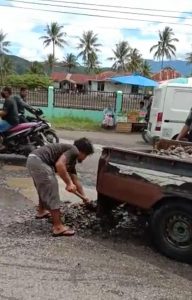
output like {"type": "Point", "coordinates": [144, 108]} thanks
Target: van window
{"type": "Point", "coordinates": [157, 98]}
{"type": "Point", "coordinates": [182, 99]}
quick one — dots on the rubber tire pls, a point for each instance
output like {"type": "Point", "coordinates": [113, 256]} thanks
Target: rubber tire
{"type": "Point", "coordinates": [144, 137]}
{"type": "Point", "coordinates": [157, 221]}
{"type": "Point", "coordinates": [53, 134]}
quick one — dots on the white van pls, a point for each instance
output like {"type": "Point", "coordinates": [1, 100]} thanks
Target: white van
{"type": "Point", "coordinates": [171, 105]}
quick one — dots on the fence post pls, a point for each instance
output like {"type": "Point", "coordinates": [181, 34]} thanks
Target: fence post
{"type": "Point", "coordinates": [50, 101]}
{"type": "Point", "coordinates": [119, 102]}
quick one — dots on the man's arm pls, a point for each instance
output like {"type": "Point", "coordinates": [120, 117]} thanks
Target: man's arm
{"type": "Point", "coordinates": [186, 127]}
{"type": "Point", "coordinates": [78, 184]}
{"type": "Point", "coordinates": [79, 188]}
{"type": "Point", "coordinates": [183, 132]}
{"type": "Point", "coordinates": [63, 173]}
{"type": "Point", "coordinates": [3, 113]}
{"type": "Point", "coordinates": [25, 105]}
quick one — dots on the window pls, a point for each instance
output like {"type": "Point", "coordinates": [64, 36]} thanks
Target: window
{"type": "Point", "coordinates": [134, 89]}
{"type": "Point", "coordinates": [101, 86]}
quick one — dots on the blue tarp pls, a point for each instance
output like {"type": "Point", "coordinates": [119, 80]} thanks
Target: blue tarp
{"type": "Point", "coordinates": [135, 80]}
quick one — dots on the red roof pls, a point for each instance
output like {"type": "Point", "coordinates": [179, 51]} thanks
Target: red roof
{"type": "Point", "coordinates": [76, 78]}
{"type": "Point", "coordinates": [166, 74]}
{"type": "Point", "coordinates": [84, 78]}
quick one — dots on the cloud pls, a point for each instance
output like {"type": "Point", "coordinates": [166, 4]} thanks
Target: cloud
{"type": "Point", "coordinates": [27, 26]}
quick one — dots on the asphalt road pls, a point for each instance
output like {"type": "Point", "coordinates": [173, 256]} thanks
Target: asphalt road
{"type": "Point", "coordinates": [34, 265]}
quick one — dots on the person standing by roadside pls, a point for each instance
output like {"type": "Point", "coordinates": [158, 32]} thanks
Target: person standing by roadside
{"type": "Point", "coordinates": [43, 164]}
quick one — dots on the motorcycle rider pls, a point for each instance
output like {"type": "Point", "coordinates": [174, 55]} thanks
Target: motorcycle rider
{"type": "Point", "coordinates": [22, 104]}
{"type": "Point", "coordinates": [9, 112]}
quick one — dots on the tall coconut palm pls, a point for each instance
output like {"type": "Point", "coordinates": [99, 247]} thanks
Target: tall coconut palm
{"type": "Point", "coordinates": [50, 62]}
{"type": "Point", "coordinates": [165, 47]}
{"type": "Point", "coordinates": [145, 69]}
{"type": "Point", "coordinates": [70, 61]}
{"type": "Point", "coordinates": [3, 43]}
{"type": "Point", "coordinates": [135, 62]}
{"type": "Point", "coordinates": [189, 58]}
{"type": "Point", "coordinates": [55, 36]}
{"type": "Point", "coordinates": [7, 66]}
{"type": "Point", "coordinates": [121, 56]}
{"type": "Point", "coordinates": [3, 51]}
{"type": "Point", "coordinates": [89, 46]}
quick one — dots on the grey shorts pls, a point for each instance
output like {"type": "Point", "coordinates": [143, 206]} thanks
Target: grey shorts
{"type": "Point", "coordinates": [45, 181]}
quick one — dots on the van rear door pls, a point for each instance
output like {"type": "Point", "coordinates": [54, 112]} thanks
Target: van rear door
{"type": "Point", "coordinates": [177, 105]}
{"type": "Point", "coordinates": [156, 114]}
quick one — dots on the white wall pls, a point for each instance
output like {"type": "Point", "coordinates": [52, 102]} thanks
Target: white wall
{"type": "Point", "coordinates": [94, 86]}
{"type": "Point", "coordinates": [111, 87]}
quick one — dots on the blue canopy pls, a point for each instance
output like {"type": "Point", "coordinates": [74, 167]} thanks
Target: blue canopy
{"type": "Point", "coordinates": [135, 80]}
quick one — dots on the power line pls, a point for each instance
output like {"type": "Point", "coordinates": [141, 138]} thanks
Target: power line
{"type": "Point", "coordinates": [95, 9]}
{"type": "Point", "coordinates": [93, 15]}
{"type": "Point", "coordinates": [119, 6]}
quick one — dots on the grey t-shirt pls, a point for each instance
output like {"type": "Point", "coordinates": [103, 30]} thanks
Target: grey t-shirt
{"type": "Point", "coordinates": [49, 154]}
{"type": "Point", "coordinates": [188, 121]}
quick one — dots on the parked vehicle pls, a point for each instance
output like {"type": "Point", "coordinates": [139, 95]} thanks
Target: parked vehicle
{"type": "Point", "coordinates": [48, 133]}
{"type": "Point", "coordinates": [170, 108]}
{"type": "Point", "coordinates": [23, 138]}
{"type": "Point", "coordinates": [160, 188]}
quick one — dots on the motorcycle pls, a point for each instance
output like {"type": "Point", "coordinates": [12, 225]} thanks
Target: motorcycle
{"type": "Point", "coordinates": [23, 138]}
{"type": "Point", "coordinates": [48, 134]}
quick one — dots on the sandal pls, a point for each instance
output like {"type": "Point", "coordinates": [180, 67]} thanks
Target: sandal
{"type": "Point", "coordinates": [67, 232]}
{"type": "Point", "coordinates": [45, 216]}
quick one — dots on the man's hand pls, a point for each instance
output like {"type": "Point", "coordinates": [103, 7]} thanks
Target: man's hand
{"type": "Point", "coordinates": [71, 188]}
{"type": "Point", "coordinates": [86, 201]}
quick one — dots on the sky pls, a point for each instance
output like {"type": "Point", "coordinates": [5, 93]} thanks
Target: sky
{"type": "Point", "coordinates": [24, 27]}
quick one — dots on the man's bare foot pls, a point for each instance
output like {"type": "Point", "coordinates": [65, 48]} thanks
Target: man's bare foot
{"type": "Point", "coordinates": [41, 214]}
{"type": "Point", "coordinates": [62, 230]}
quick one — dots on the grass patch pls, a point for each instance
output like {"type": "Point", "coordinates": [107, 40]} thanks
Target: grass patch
{"type": "Point", "coordinates": [74, 123]}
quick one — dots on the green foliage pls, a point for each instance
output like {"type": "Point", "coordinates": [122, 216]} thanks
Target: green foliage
{"type": "Point", "coordinates": [29, 80]}
{"type": "Point", "coordinates": [75, 123]}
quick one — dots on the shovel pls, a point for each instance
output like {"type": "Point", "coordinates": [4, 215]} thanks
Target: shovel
{"type": "Point", "coordinates": [90, 206]}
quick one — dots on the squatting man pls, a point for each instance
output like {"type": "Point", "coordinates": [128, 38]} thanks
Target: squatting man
{"type": "Point", "coordinates": [43, 164]}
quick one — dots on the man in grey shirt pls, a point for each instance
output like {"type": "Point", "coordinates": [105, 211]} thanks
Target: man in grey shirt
{"type": "Point", "coordinates": [22, 104]}
{"type": "Point", "coordinates": [43, 164]}
{"type": "Point", "coordinates": [186, 131]}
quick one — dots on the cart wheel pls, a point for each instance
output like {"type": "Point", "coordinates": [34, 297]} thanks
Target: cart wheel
{"type": "Point", "coordinates": [171, 229]}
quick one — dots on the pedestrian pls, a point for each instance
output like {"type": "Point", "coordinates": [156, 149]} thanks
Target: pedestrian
{"type": "Point", "coordinates": [43, 164]}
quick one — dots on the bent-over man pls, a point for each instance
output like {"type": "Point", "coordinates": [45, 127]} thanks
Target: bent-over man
{"type": "Point", "coordinates": [43, 164]}
{"type": "Point", "coordinates": [186, 131]}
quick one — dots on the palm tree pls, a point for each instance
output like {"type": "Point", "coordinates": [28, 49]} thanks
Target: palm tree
{"type": "Point", "coordinates": [55, 36]}
{"type": "Point", "coordinates": [135, 61]}
{"type": "Point", "coordinates": [36, 68]}
{"type": "Point", "coordinates": [7, 66]}
{"type": "Point", "coordinates": [89, 46]}
{"type": "Point", "coordinates": [165, 47]}
{"type": "Point", "coordinates": [3, 43]}
{"type": "Point", "coordinates": [50, 62]}
{"type": "Point", "coordinates": [145, 69]}
{"type": "Point", "coordinates": [121, 56]}
{"type": "Point", "coordinates": [70, 61]}
{"type": "Point", "coordinates": [3, 51]}
{"type": "Point", "coordinates": [189, 58]}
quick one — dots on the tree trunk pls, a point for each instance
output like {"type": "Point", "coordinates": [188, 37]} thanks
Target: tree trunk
{"type": "Point", "coordinates": [1, 69]}
{"type": "Point", "coordinates": [162, 61]}
{"type": "Point", "coordinates": [53, 49]}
